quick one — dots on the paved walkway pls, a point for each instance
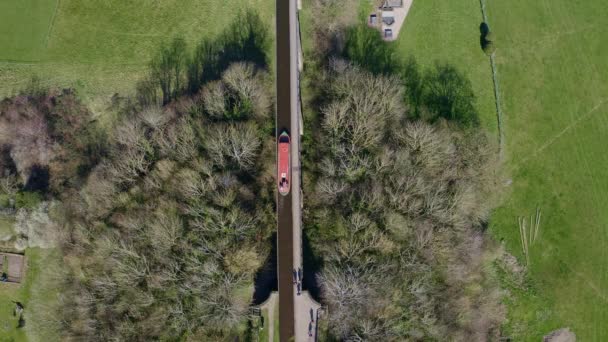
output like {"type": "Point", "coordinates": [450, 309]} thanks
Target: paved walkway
{"type": "Point", "coordinates": [399, 14]}
{"type": "Point", "coordinates": [306, 313]}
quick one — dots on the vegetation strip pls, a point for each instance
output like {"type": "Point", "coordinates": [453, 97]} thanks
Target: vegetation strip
{"type": "Point", "coordinates": [499, 114]}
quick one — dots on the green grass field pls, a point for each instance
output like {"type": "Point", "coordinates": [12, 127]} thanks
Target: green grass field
{"type": "Point", "coordinates": [277, 324]}
{"type": "Point", "coordinates": [553, 66]}
{"type": "Point", "coordinates": [448, 32]}
{"type": "Point", "coordinates": [24, 25]}
{"type": "Point", "coordinates": [101, 47]}
{"type": "Point", "coordinates": [8, 323]}
{"type": "Point", "coordinates": [33, 294]}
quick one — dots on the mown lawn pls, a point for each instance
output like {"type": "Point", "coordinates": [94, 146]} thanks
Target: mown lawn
{"type": "Point", "coordinates": [24, 27]}
{"type": "Point", "coordinates": [101, 47]}
{"type": "Point", "coordinates": [553, 65]}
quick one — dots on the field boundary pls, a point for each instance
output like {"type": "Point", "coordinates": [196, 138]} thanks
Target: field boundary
{"type": "Point", "coordinates": [499, 114]}
{"type": "Point", "coordinates": [51, 25]}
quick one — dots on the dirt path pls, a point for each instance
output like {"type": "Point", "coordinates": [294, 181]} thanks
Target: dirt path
{"type": "Point", "coordinates": [589, 284]}
{"type": "Point", "coordinates": [556, 137]}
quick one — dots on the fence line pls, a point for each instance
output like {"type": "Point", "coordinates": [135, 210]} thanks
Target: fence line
{"type": "Point", "coordinates": [499, 114]}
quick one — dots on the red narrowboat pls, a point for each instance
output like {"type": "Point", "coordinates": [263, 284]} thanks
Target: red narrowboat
{"type": "Point", "coordinates": [284, 171]}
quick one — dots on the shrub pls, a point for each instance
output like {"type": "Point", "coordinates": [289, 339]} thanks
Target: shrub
{"type": "Point", "coordinates": [35, 225]}
{"type": "Point", "coordinates": [27, 199]}
{"type": "Point", "coordinates": [489, 37]}
{"type": "Point", "coordinates": [489, 48]}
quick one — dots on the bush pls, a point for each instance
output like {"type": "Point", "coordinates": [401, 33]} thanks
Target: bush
{"type": "Point", "coordinates": [489, 48]}
{"type": "Point", "coordinates": [489, 37]}
{"type": "Point", "coordinates": [36, 226]}
{"type": "Point", "coordinates": [27, 199]}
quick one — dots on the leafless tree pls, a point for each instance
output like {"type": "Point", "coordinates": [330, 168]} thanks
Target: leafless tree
{"type": "Point", "coordinates": [214, 99]}
{"type": "Point", "coordinates": [236, 143]}
{"type": "Point", "coordinates": [9, 185]}
{"type": "Point", "coordinates": [242, 79]}
{"type": "Point", "coordinates": [407, 199]}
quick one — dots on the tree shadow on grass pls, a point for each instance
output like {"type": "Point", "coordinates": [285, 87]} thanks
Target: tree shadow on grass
{"type": "Point", "coordinates": [247, 39]}
{"type": "Point", "coordinates": [174, 71]}
{"type": "Point", "coordinates": [365, 47]}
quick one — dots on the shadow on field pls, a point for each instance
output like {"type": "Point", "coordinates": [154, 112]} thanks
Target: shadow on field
{"type": "Point", "coordinates": [365, 47]}
{"type": "Point", "coordinates": [439, 92]}
{"type": "Point", "coordinates": [175, 71]}
{"type": "Point", "coordinates": [246, 40]}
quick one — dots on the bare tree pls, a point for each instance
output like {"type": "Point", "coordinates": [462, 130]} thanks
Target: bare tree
{"type": "Point", "coordinates": [248, 86]}
{"type": "Point", "coordinates": [214, 99]}
{"type": "Point", "coordinates": [9, 185]}
{"type": "Point", "coordinates": [236, 143]}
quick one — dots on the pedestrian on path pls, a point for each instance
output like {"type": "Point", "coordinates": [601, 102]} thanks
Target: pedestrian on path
{"type": "Point", "coordinates": [300, 275]}
{"type": "Point", "coordinates": [312, 316]}
{"type": "Point", "coordinates": [295, 276]}
{"type": "Point", "coordinates": [299, 288]}
{"type": "Point", "coordinates": [310, 329]}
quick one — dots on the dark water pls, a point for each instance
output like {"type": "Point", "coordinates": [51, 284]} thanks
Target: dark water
{"type": "Point", "coordinates": [312, 266]}
{"type": "Point", "coordinates": [38, 180]}
{"type": "Point", "coordinates": [266, 279]}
